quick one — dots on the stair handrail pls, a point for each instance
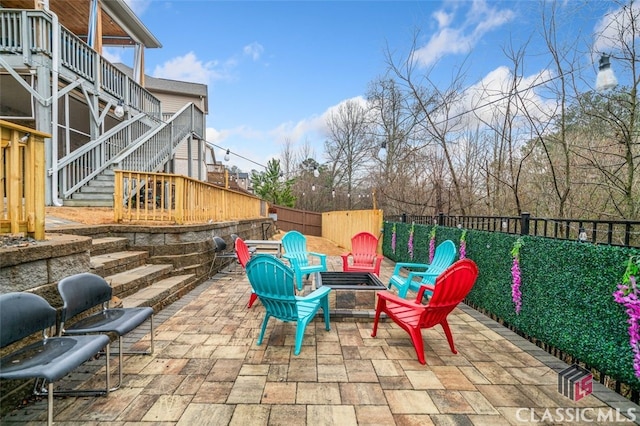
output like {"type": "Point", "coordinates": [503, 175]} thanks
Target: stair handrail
{"type": "Point", "coordinates": [83, 164]}
{"type": "Point", "coordinates": [156, 149]}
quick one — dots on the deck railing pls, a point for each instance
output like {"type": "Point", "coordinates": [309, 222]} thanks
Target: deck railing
{"type": "Point", "coordinates": [28, 32]}
{"type": "Point", "coordinates": [624, 233]}
{"type": "Point", "coordinates": [22, 169]}
{"type": "Point", "coordinates": [164, 197]}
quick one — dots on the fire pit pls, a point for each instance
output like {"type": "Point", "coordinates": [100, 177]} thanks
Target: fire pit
{"type": "Point", "coordinates": [353, 294]}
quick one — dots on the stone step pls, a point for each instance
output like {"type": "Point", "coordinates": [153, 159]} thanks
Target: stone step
{"type": "Point", "coordinates": [161, 293]}
{"type": "Point", "coordinates": [115, 262]}
{"type": "Point", "coordinates": [107, 245]}
{"type": "Point", "coordinates": [129, 282]}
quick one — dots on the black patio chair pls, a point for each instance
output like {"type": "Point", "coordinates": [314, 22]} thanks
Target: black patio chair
{"type": "Point", "coordinates": [51, 358]}
{"type": "Point", "coordinates": [81, 292]}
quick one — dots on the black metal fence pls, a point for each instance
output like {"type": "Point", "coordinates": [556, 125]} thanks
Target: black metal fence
{"type": "Point", "coordinates": [622, 233]}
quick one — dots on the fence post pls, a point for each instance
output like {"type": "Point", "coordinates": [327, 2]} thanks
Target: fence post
{"type": "Point", "coordinates": [441, 219]}
{"type": "Point", "coordinates": [524, 225]}
{"type": "Point", "coordinates": [404, 218]}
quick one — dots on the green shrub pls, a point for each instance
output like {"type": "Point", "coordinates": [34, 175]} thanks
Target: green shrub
{"type": "Point", "coordinates": [566, 288]}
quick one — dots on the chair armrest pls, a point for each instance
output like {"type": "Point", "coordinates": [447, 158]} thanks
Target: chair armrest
{"type": "Point", "coordinates": [345, 260]}
{"type": "Point", "coordinates": [409, 265]}
{"type": "Point", "coordinates": [388, 296]}
{"type": "Point", "coordinates": [423, 288]}
{"type": "Point", "coordinates": [422, 274]}
{"type": "Point", "coordinates": [315, 295]}
{"type": "Point", "coordinates": [320, 255]}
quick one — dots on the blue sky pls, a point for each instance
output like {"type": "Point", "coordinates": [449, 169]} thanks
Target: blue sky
{"type": "Point", "coordinates": [274, 69]}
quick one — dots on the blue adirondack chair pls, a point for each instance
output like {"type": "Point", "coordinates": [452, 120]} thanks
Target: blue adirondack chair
{"type": "Point", "coordinates": [423, 273]}
{"type": "Point", "coordinates": [273, 281]}
{"type": "Point", "coordinates": [303, 262]}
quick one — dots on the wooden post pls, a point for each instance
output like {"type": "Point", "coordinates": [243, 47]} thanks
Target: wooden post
{"type": "Point", "coordinates": [24, 175]}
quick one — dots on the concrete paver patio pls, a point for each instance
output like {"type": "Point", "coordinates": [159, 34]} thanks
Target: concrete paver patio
{"type": "Point", "coordinates": [208, 370]}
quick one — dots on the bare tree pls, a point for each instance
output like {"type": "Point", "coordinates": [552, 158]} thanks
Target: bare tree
{"type": "Point", "coordinates": [348, 146]}
{"type": "Point", "coordinates": [437, 121]}
{"type": "Point", "coordinates": [617, 156]}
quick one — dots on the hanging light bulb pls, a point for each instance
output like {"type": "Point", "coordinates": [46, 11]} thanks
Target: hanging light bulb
{"type": "Point", "coordinates": [382, 154]}
{"type": "Point", "coordinates": [316, 172]}
{"type": "Point", "coordinates": [227, 156]}
{"type": "Point", "coordinates": [118, 111]}
{"type": "Point", "coordinates": [313, 187]}
{"type": "Point", "coordinates": [333, 193]}
{"type": "Point", "coordinates": [25, 138]}
{"type": "Point", "coordinates": [606, 79]}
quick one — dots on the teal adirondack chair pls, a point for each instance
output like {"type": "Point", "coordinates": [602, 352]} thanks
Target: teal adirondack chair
{"type": "Point", "coordinates": [303, 262]}
{"type": "Point", "coordinates": [423, 273]}
{"type": "Point", "coordinates": [273, 281]}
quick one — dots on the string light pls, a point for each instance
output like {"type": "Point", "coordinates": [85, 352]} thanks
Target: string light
{"type": "Point", "coordinates": [229, 152]}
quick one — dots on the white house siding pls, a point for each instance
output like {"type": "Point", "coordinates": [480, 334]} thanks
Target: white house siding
{"type": "Point", "coordinates": [172, 103]}
{"type": "Point", "coordinates": [181, 160]}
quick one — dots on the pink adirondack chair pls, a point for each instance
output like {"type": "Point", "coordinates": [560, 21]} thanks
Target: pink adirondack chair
{"type": "Point", "coordinates": [363, 256]}
{"type": "Point", "coordinates": [451, 287]}
{"type": "Point", "coordinates": [243, 255]}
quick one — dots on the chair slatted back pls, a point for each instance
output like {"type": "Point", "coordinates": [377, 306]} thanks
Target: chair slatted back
{"type": "Point", "coordinates": [364, 247]}
{"type": "Point", "coordinates": [242, 252]}
{"type": "Point", "coordinates": [295, 245]}
{"type": "Point", "coordinates": [451, 288]}
{"type": "Point", "coordinates": [274, 283]}
{"type": "Point", "coordinates": [443, 257]}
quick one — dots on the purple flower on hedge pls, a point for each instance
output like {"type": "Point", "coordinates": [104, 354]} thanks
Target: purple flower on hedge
{"type": "Point", "coordinates": [463, 244]}
{"type": "Point", "coordinates": [516, 293]}
{"type": "Point", "coordinates": [393, 238]}
{"type": "Point", "coordinates": [626, 294]}
{"type": "Point", "coordinates": [432, 243]}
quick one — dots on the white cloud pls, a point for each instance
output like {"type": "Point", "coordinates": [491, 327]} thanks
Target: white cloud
{"type": "Point", "coordinates": [253, 50]}
{"type": "Point", "coordinates": [138, 6]}
{"type": "Point", "coordinates": [487, 100]}
{"type": "Point", "coordinates": [614, 23]}
{"type": "Point", "coordinates": [190, 68]}
{"type": "Point", "coordinates": [460, 39]}
{"type": "Point", "coordinates": [112, 55]}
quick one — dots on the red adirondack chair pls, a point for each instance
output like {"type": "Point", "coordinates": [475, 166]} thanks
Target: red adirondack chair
{"type": "Point", "coordinates": [451, 287]}
{"type": "Point", "coordinates": [243, 255]}
{"type": "Point", "coordinates": [363, 256]}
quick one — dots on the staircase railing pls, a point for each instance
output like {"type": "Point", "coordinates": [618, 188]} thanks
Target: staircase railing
{"type": "Point", "coordinates": [140, 144]}
{"type": "Point", "coordinates": [152, 153]}
{"type": "Point", "coordinates": [79, 167]}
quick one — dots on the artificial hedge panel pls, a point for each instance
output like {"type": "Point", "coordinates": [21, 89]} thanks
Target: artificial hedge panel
{"type": "Point", "coordinates": [566, 290]}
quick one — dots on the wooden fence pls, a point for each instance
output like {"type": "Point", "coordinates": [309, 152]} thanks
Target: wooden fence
{"type": "Point", "coordinates": [305, 222]}
{"type": "Point", "coordinates": [340, 226]}
{"type": "Point", "coordinates": [22, 169]}
{"type": "Point", "coordinates": [164, 197]}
